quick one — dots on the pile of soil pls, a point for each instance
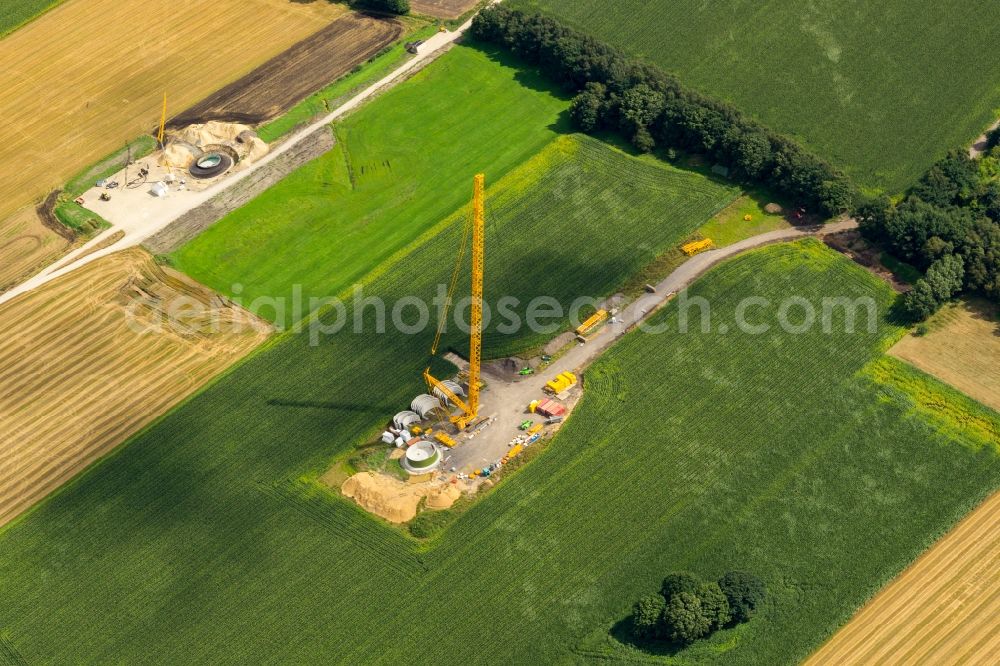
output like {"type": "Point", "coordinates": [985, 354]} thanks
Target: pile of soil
{"type": "Point", "coordinates": [556, 344]}
{"type": "Point", "coordinates": [386, 497]}
{"type": "Point", "coordinates": [443, 497]}
{"type": "Point", "coordinates": [395, 500]}
{"type": "Point", "coordinates": [505, 369]}
{"type": "Point", "coordinates": [206, 134]}
{"type": "Point", "coordinates": [185, 146]}
{"type": "Point", "coordinates": [852, 245]}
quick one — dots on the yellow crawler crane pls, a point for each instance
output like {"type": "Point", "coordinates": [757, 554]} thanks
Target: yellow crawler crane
{"type": "Point", "coordinates": [469, 409]}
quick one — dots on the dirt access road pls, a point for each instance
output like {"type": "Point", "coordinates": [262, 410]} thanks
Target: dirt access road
{"type": "Point", "coordinates": [138, 215]}
{"type": "Point", "coordinates": [87, 76]}
{"type": "Point", "coordinates": [512, 398]}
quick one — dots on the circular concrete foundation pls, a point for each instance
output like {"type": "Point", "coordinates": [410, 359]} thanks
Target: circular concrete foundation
{"type": "Point", "coordinates": [421, 457]}
{"type": "Point", "coordinates": [210, 165]}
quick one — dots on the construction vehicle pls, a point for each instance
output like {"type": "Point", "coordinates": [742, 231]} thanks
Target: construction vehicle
{"type": "Point", "coordinates": [526, 371]}
{"type": "Point", "coordinates": [469, 409]}
{"type": "Point", "coordinates": [695, 247]}
{"type": "Point", "coordinates": [444, 439]}
{"type": "Point", "coordinates": [563, 381]}
{"type": "Point", "coordinates": [592, 322]}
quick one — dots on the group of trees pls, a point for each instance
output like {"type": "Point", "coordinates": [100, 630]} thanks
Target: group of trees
{"type": "Point", "coordinates": [687, 608]}
{"type": "Point", "coordinates": [652, 109]}
{"type": "Point", "coordinates": [948, 226]}
{"type": "Point", "coordinates": [390, 6]}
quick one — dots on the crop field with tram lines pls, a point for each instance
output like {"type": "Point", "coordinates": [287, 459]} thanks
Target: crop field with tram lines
{"type": "Point", "coordinates": [941, 610]}
{"type": "Point", "coordinates": [112, 366]}
{"type": "Point", "coordinates": [813, 459]}
{"type": "Point", "coordinates": [212, 516]}
{"type": "Point", "coordinates": [881, 90]}
{"type": "Point", "coordinates": [293, 75]}
{"type": "Point", "coordinates": [395, 172]}
{"type": "Point", "coordinates": [294, 385]}
{"type": "Point", "coordinates": [445, 9]}
{"type": "Point", "coordinates": [79, 82]}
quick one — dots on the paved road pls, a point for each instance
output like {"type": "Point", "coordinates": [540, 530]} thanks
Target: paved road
{"type": "Point", "coordinates": [508, 401]}
{"type": "Point", "coordinates": [139, 215]}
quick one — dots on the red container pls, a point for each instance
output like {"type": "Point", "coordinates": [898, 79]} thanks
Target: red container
{"type": "Point", "coordinates": [549, 407]}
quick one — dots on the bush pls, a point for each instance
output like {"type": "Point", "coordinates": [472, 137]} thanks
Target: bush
{"type": "Point", "coordinates": [681, 581]}
{"type": "Point", "coordinates": [391, 6]}
{"type": "Point", "coordinates": [684, 618]}
{"type": "Point", "coordinates": [587, 109]}
{"type": "Point", "coordinates": [744, 592]}
{"type": "Point", "coordinates": [949, 222]}
{"type": "Point", "coordinates": [687, 609]}
{"type": "Point", "coordinates": [714, 605]}
{"type": "Point", "coordinates": [647, 617]}
{"type": "Point", "coordinates": [919, 303]}
{"type": "Point", "coordinates": [993, 138]}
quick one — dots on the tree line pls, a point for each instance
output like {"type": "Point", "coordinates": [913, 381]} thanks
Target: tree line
{"type": "Point", "coordinates": [948, 226]}
{"type": "Point", "coordinates": [390, 6]}
{"type": "Point", "coordinates": [653, 110]}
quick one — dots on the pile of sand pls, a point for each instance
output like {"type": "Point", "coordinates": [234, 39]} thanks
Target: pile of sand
{"type": "Point", "coordinates": [443, 497]}
{"type": "Point", "coordinates": [186, 145]}
{"type": "Point", "coordinates": [179, 155]}
{"type": "Point", "coordinates": [396, 500]}
{"type": "Point", "coordinates": [385, 496]}
{"type": "Point", "coordinates": [209, 133]}
{"type": "Point", "coordinates": [252, 146]}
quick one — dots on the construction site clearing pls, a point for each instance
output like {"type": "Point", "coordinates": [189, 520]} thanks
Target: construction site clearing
{"type": "Point", "coordinates": [465, 429]}
{"type": "Point", "coordinates": [191, 159]}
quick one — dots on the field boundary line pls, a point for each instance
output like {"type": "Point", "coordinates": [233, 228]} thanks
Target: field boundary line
{"type": "Point", "coordinates": [138, 228]}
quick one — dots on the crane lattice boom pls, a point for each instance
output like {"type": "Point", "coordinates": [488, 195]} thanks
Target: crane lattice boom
{"type": "Point", "coordinates": [470, 408]}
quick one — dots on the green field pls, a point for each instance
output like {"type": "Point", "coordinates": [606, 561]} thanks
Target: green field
{"type": "Point", "coordinates": [15, 13]}
{"type": "Point", "coordinates": [812, 460]}
{"type": "Point", "coordinates": [822, 482]}
{"type": "Point", "coordinates": [880, 89]}
{"type": "Point", "coordinates": [402, 163]}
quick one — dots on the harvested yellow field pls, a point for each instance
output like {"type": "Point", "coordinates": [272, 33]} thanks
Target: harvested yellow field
{"type": "Point", "coordinates": [942, 610]}
{"type": "Point", "coordinates": [89, 75]}
{"type": "Point", "coordinates": [26, 244]}
{"type": "Point", "coordinates": [91, 358]}
{"type": "Point", "coordinates": [962, 348]}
